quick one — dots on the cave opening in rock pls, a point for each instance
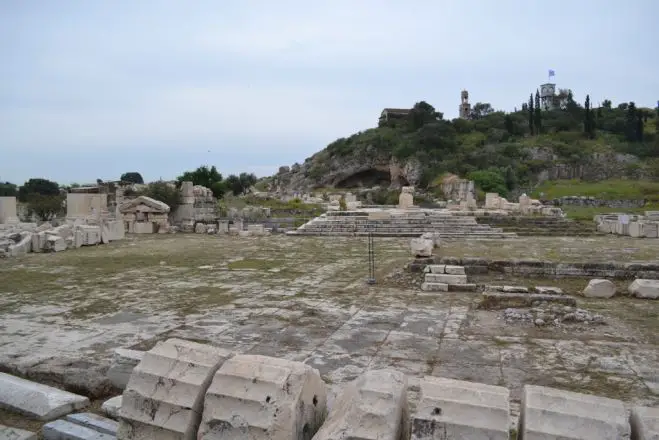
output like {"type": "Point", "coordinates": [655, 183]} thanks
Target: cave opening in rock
{"type": "Point", "coordinates": [366, 179]}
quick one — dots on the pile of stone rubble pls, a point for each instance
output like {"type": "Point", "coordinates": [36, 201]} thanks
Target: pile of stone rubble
{"type": "Point", "coordinates": [550, 314]}
{"type": "Point", "coordinates": [21, 238]}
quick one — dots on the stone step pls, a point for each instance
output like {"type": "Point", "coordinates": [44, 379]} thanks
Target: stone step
{"type": "Point", "coordinates": [95, 422]}
{"type": "Point", "coordinates": [445, 278]}
{"type": "Point", "coordinates": [37, 401]}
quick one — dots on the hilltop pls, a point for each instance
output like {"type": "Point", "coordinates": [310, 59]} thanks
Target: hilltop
{"type": "Point", "coordinates": [500, 151]}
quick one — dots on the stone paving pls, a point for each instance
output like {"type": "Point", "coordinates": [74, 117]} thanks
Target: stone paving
{"type": "Point", "coordinates": [301, 298]}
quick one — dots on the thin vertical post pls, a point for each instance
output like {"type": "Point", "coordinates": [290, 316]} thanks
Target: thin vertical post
{"type": "Point", "coordinates": [371, 259]}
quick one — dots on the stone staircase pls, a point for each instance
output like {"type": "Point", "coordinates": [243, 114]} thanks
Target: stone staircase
{"type": "Point", "coordinates": [539, 226]}
{"type": "Point", "coordinates": [445, 278]}
{"type": "Point", "coordinates": [399, 224]}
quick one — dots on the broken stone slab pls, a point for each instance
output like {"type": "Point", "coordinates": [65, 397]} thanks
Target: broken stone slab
{"type": "Point", "coordinates": [270, 398]}
{"type": "Point", "coordinates": [123, 363]}
{"type": "Point", "coordinates": [500, 300]}
{"type": "Point", "coordinates": [421, 247]}
{"type": "Point", "coordinates": [599, 288]}
{"type": "Point", "coordinates": [458, 409]}
{"type": "Point", "coordinates": [434, 287]}
{"type": "Point", "coordinates": [507, 289]}
{"type": "Point", "coordinates": [548, 290]}
{"type": "Point", "coordinates": [548, 413]}
{"type": "Point", "coordinates": [647, 289]}
{"type": "Point", "coordinates": [454, 270]}
{"type": "Point", "coordinates": [63, 430]}
{"type": "Point", "coordinates": [372, 407]}
{"type": "Point", "coordinates": [9, 433]}
{"type": "Point", "coordinates": [95, 422]}
{"type": "Point", "coordinates": [446, 279]}
{"type": "Point", "coordinates": [36, 400]}
{"type": "Point", "coordinates": [164, 397]}
{"type": "Point", "coordinates": [644, 423]}
{"type": "Point", "coordinates": [111, 407]}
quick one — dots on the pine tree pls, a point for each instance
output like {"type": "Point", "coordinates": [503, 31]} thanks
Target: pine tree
{"type": "Point", "coordinates": [537, 115]}
{"type": "Point", "coordinates": [589, 122]}
{"type": "Point", "coordinates": [531, 113]}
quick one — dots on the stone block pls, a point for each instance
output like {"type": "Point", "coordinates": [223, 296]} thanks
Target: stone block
{"type": "Point", "coordinates": [111, 407]}
{"type": "Point", "coordinates": [122, 365]}
{"type": "Point", "coordinates": [548, 413]}
{"type": "Point", "coordinates": [165, 394]}
{"type": "Point", "coordinates": [63, 430]}
{"type": "Point", "coordinates": [372, 407]}
{"type": "Point", "coordinates": [549, 290]}
{"type": "Point", "coordinates": [421, 247]}
{"type": "Point", "coordinates": [435, 268]}
{"type": "Point", "coordinates": [55, 243]}
{"type": "Point", "coordinates": [645, 423]}
{"type": "Point", "coordinates": [455, 409]}
{"type": "Point", "coordinates": [263, 398]}
{"type": "Point", "coordinates": [599, 289]}
{"type": "Point", "coordinates": [8, 433]}
{"type": "Point", "coordinates": [39, 242]}
{"type": "Point", "coordinates": [468, 287]}
{"type": "Point", "coordinates": [95, 422]}
{"type": "Point", "coordinates": [37, 401]}
{"type": "Point", "coordinates": [434, 287]}
{"type": "Point", "coordinates": [454, 270]}
{"type": "Point", "coordinates": [647, 289]}
{"type": "Point", "coordinates": [447, 279]}
{"type": "Point", "coordinates": [22, 247]}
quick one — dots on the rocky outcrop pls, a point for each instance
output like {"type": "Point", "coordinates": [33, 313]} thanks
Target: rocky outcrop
{"type": "Point", "coordinates": [365, 168]}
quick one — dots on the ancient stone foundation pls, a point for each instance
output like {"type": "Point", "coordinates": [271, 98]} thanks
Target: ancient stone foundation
{"type": "Point", "coordinates": [185, 390]}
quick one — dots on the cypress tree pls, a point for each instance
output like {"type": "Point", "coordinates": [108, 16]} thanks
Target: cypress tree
{"type": "Point", "coordinates": [537, 115]}
{"type": "Point", "coordinates": [531, 113]}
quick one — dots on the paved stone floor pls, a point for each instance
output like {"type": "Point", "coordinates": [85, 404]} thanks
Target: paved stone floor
{"type": "Point", "coordinates": [303, 298]}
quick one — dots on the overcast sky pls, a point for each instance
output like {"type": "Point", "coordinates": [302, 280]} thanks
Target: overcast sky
{"type": "Point", "coordinates": [91, 89]}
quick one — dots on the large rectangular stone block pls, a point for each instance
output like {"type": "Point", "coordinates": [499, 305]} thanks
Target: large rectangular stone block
{"type": "Point", "coordinates": [455, 409]}
{"type": "Point", "coordinates": [645, 423]}
{"type": "Point", "coordinates": [372, 407]}
{"type": "Point", "coordinates": [63, 430]}
{"type": "Point", "coordinates": [8, 433]}
{"type": "Point", "coordinates": [445, 278]}
{"type": "Point", "coordinates": [95, 422]}
{"type": "Point", "coordinates": [164, 396]}
{"type": "Point", "coordinates": [548, 413]}
{"type": "Point", "coordinates": [36, 400]}
{"type": "Point", "coordinates": [263, 398]}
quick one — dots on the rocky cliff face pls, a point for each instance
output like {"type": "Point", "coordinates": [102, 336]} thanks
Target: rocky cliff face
{"type": "Point", "coordinates": [369, 167]}
{"type": "Point", "coordinates": [365, 169]}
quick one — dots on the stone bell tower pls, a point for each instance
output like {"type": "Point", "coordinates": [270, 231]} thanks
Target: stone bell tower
{"type": "Point", "coordinates": [465, 107]}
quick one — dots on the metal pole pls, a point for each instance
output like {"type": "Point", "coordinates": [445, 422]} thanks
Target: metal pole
{"type": "Point", "coordinates": [371, 259]}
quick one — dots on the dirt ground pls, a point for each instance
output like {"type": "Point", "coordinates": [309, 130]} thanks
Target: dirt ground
{"type": "Point", "coordinates": [306, 299]}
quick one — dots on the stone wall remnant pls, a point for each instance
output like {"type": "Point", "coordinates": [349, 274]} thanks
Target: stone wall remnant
{"type": "Point", "coordinates": [8, 213]}
{"type": "Point", "coordinates": [406, 198]}
{"type": "Point", "coordinates": [144, 215]}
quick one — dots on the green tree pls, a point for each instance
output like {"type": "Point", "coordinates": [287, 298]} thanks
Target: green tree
{"type": "Point", "coordinates": [510, 125]}
{"type": "Point", "coordinates": [531, 112]}
{"type": "Point", "coordinates": [132, 177]}
{"type": "Point", "coordinates": [45, 207]}
{"type": "Point", "coordinates": [423, 113]}
{"type": "Point", "coordinates": [606, 104]}
{"type": "Point", "coordinates": [537, 116]}
{"type": "Point", "coordinates": [480, 110]}
{"type": "Point", "coordinates": [631, 123]}
{"type": "Point", "coordinates": [489, 181]}
{"type": "Point", "coordinates": [40, 186]}
{"type": "Point", "coordinates": [164, 192]}
{"type": "Point", "coordinates": [589, 123]}
{"type": "Point", "coordinates": [204, 176]}
{"type": "Point", "coordinates": [8, 189]}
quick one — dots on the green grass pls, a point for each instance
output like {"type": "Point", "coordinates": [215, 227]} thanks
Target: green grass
{"type": "Point", "coordinates": [606, 189]}
{"type": "Point", "coordinates": [586, 214]}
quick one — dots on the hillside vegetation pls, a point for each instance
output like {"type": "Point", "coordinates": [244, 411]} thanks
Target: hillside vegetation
{"type": "Point", "coordinates": [506, 151]}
